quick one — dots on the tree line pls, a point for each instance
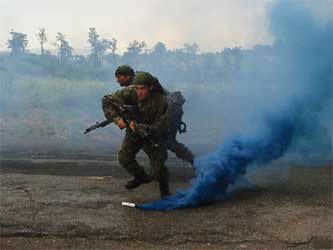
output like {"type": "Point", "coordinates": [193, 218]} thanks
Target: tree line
{"type": "Point", "coordinates": [180, 64]}
{"type": "Point", "coordinates": [99, 47]}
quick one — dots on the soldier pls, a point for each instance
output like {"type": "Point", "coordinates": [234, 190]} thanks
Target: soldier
{"type": "Point", "coordinates": [175, 110]}
{"type": "Point", "coordinates": [125, 75]}
{"type": "Point", "coordinates": [152, 108]}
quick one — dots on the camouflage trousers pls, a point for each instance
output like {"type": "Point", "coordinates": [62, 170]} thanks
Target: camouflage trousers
{"type": "Point", "coordinates": [131, 145]}
{"type": "Point", "coordinates": [181, 151]}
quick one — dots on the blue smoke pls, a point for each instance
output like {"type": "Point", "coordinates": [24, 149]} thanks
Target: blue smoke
{"type": "Point", "coordinates": [302, 79]}
{"type": "Point", "coordinates": [217, 170]}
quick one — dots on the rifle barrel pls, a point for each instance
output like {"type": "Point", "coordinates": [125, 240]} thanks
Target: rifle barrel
{"type": "Point", "coordinates": [97, 125]}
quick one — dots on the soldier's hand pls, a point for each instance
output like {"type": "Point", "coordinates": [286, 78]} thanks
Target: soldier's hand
{"type": "Point", "coordinates": [121, 124]}
{"type": "Point", "coordinates": [110, 115]}
{"type": "Point", "coordinates": [142, 128]}
{"type": "Point", "coordinates": [132, 126]}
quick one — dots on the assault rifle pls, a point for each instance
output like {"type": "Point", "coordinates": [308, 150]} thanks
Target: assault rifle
{"type": "Point", "coordinates": [97, 125]}
{"type": "Point", "coordinates": [128, 113]}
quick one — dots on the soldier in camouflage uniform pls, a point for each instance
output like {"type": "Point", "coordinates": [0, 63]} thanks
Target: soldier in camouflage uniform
{"type": "Point", "coordinates": [125, 75]}
{"type": "Point", "coordinates": [175, 110]}
{"type": "Point", "coordinates": [152, 108]}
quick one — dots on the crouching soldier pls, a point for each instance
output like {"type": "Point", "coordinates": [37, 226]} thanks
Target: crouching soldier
{"type": "Point", "coordinates": [125, 75]}
{"type": "Point", "coordinates": [151, 107]}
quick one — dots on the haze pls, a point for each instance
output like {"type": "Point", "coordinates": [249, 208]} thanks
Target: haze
{"type": "Point", "coordinates": [213, 24]}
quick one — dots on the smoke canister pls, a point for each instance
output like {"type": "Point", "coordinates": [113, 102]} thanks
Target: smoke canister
{"type": "Point", "coordinates": [128, 204]}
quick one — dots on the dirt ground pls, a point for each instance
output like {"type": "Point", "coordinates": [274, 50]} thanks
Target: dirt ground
{"type": "Point", "coordinates": [71, 203]}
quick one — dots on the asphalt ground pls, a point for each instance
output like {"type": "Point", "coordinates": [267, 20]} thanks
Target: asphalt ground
{"type": "Point", "coordinates": [61, 203]}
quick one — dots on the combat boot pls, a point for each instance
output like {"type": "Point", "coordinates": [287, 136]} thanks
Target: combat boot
{"type": "Point", "coordinates": [138, 180]}
{"type": "Point", "coordinates": [164, 189]}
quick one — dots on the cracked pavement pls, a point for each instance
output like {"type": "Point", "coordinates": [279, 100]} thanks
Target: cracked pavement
{"type": "Point", "coordinates": [76, 205]}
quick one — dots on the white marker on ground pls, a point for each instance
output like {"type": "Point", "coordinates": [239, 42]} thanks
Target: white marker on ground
{"type": "Point", "coordinates": [128, 204]}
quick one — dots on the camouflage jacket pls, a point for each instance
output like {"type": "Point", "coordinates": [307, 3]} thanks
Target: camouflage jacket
{"type": "Point", "coordinates": [152, 111]}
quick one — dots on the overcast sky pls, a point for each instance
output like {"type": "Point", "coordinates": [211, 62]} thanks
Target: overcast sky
{"type": "Point", "coordinates": [213, 24]}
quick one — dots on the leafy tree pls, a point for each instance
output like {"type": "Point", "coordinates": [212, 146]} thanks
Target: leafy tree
{"type": "Point", "coordinates": [136, 48]}
{"type": "Point", "coordinates": [98, 47]}
{"type": "Point", "coordinates": [191, 48]}
{"type": "Point", "coordinates": [42, 38]}
{"type": "Point", "coordinates": [159, 49]}
{"type": "Point", "coordinates": [113, 46]}
{"type": "Point", "coordinates": [18, 43]}
{"type": "Point", "coordinates": [135, 53]}
{"type": "Point", "coordinates": [65, 51]}
{"type": "Point", "coordinates": [94, 47]}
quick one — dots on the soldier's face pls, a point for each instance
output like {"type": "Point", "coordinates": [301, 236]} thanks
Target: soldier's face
{"type": "Point", "coordinates": [142, 91]}
{"type": "Point", "coordinates": [123, 80]}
